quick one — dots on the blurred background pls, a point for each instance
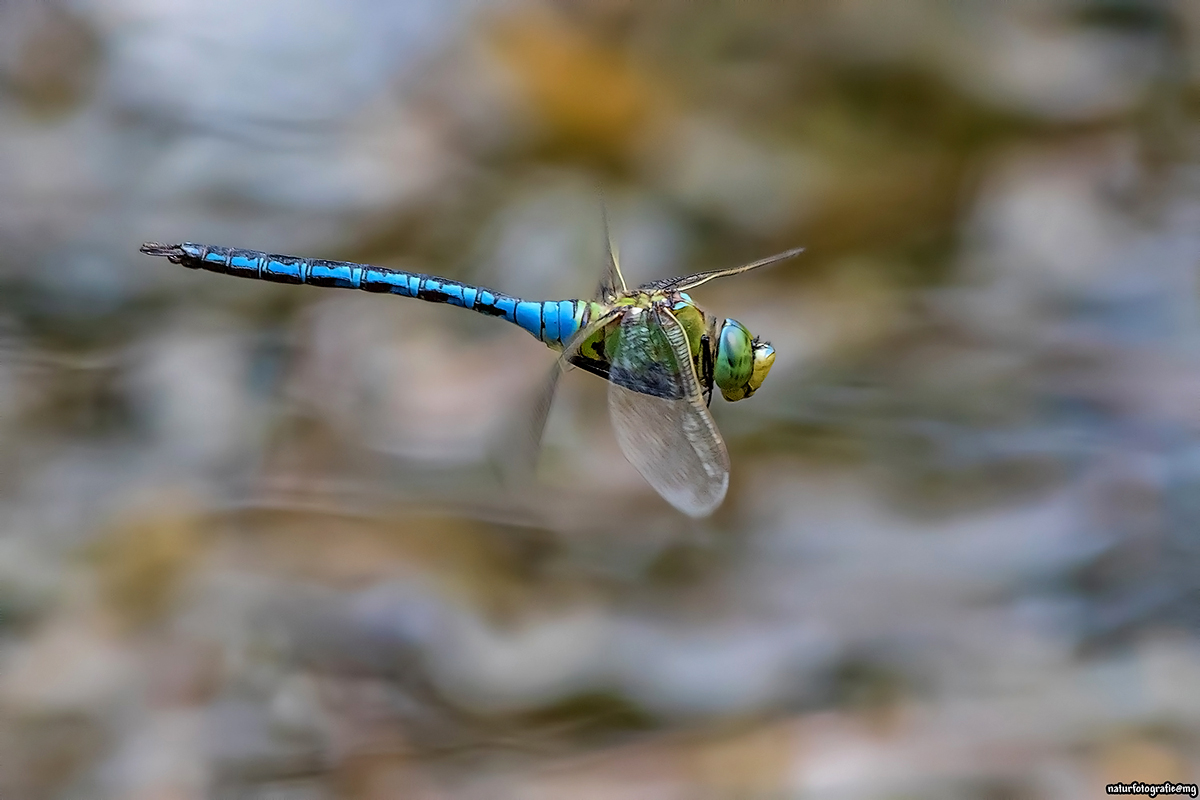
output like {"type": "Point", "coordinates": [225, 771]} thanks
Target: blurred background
{"type": "Point", "coordinates": [252, 540]}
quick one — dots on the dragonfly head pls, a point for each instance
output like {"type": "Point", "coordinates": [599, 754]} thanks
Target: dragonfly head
{"type": "Point", "coordinates": [742, 361]}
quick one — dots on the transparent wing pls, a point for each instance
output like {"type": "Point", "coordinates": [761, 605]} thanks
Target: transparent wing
{"type": "Point", "coordinates": [612, 283]}
{"type": "Point", "coordinates": [691, 281]}
{"type": "Point", "coordinates": [522, 442]}
{"type": "Point", "coordinates": [662, 423]}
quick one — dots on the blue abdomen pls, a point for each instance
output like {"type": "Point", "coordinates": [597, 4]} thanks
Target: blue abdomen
{"type": "Point", "coordinates": [551, 321]}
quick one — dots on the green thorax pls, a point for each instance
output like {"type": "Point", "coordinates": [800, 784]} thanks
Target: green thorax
{"type": "Point", "coordinates": [596, 351]}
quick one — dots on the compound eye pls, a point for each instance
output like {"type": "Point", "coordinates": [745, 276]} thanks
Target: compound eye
{"type": "Point", "coordinates": [734, 365]}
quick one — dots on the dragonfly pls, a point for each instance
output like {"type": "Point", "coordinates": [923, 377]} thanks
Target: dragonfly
{"type": "Point", "coordinates": [661, 354]}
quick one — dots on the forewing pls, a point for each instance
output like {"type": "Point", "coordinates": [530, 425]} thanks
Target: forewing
{"type": "Point", "coordinates": [691, 281]}
{"type": "Point", "coordinates": [662, 423]}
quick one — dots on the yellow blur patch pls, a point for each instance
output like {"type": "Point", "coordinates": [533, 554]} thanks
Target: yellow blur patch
{"type": "Point", "coordinates": [139, 565]}
{"type": "Point", "coordinates": [585, 91]}
{"type": "Point", "coordinates": [1142, 759]}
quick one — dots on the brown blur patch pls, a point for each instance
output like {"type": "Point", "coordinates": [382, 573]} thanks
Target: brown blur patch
{"type": "Point", "coordinates": [184, 672]}
{"type": "Point", "coordinates": [588, 95]}
{"type": "Point", "coordinates": [56, 61]}
{"type": "Point", "coordinates": [753, 763]}
{"type": "Point", "coordinates": [1139, 758]}
{"type": "Point", "coordinates": [752, 759]}
{"type": "Point", "coordinates": [485, 566]}
{"type": "Point", "coordinates": [140, 565]}
{"type": "Point", "coordinates": [47, 754]}
{"type": "Point", "coordinates": [887, 203]}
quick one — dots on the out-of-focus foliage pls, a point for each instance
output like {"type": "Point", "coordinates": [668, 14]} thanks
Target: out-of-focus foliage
{"type": "Point", "coordinates": [254, 541]}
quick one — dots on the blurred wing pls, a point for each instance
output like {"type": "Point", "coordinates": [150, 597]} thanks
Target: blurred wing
{"type": "Point", "coordinates": [662, 423]}
{"type": "Point", "coordinates": [522, 442]}
{"type": "Point", "coordinates": [612, 283]}
{"type": "Point", "coordinates": [692, 281]}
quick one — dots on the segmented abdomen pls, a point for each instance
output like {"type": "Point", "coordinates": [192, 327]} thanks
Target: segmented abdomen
{"type": "Point", "coordinates": [551, 321]}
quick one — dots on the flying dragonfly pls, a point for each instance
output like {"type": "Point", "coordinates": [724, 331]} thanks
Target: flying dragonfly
{"type": "Point", "coordinates": [660, 353]}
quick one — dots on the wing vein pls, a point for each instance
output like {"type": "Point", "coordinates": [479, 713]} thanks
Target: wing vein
{"type": "Point", "coordinates": [667, 434]}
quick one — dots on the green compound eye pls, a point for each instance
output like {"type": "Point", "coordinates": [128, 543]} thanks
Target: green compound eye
{"type": "Point", "coordinates": [742, 362]}
{"type": "Point", "coordinates": [735, 360]}
{"type": "Point", "coordinates": [733, 368]}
